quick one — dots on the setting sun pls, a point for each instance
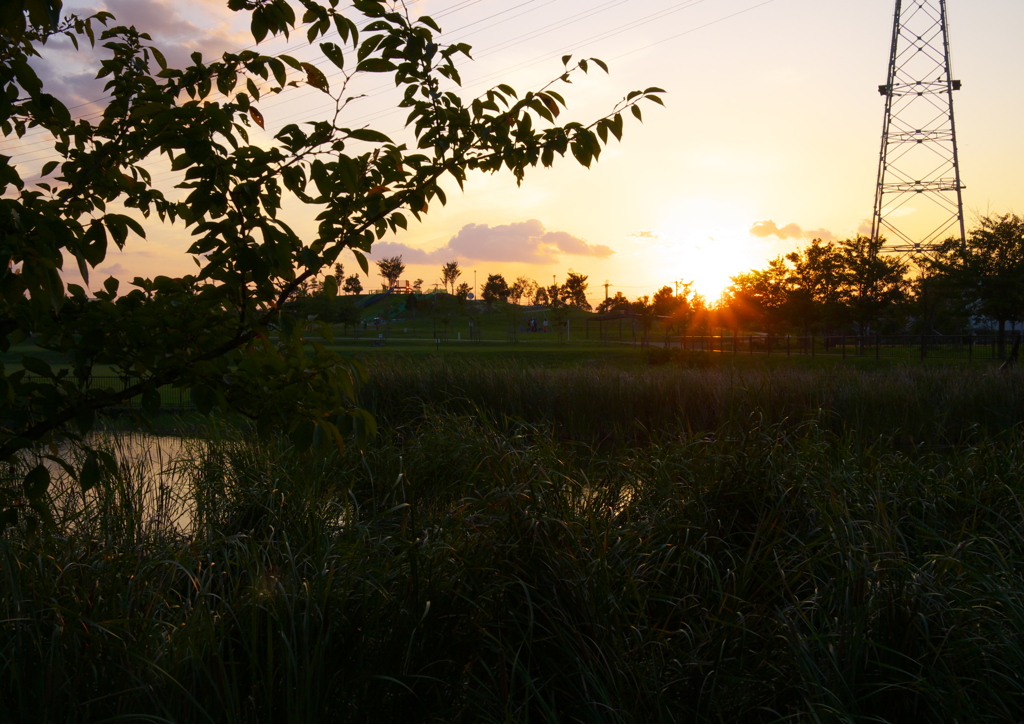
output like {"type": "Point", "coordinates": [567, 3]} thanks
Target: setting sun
{"type": "Point", "coordinates": [705, 252]}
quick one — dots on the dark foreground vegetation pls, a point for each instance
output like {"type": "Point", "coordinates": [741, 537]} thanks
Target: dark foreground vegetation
{"type": "Point", "coordinates": [573, 544]}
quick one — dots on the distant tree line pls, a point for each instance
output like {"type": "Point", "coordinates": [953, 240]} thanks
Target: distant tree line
{"type": "Point", "coordinates": [837, 287]}
{"type": "Point", "coordinates": [850, 286]}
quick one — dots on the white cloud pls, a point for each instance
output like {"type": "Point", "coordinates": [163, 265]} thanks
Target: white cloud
{"type": "Point", "coordinates": [525, 242]}
{"type": "Point", "coordinates": [764, 229]}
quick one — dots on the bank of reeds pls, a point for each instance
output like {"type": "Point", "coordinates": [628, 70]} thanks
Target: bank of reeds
{"type": "Point", "coordinates": [481, 562]}
{"type": "Point", "coordinates": [605, 405]}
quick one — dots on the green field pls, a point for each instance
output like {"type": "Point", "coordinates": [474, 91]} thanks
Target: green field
{"type": "Point", "coordinates": [445, 328]}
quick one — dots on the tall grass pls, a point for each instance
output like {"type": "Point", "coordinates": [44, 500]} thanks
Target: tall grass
{"type": "Point", "coordinates": [601, 404]}
{"type": "Point", "coordinates": [496, 558]}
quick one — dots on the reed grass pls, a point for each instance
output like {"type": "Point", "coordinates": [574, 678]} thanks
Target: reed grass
{"type": "Point", "coordinates": [602, 404]}
{"type": "Point", "coordinates": [796, 556]}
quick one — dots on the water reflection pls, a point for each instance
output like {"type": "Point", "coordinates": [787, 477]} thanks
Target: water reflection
{"type": "Point", "coordinates": [151, 489]}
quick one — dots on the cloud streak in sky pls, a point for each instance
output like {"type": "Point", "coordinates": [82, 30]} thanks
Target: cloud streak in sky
{"type": "Point", "coordinates": [764, 229]}
{"type": "Point", "coordinates": [70, 74]}
{"type": "Point", "coordinates": [525, 242]}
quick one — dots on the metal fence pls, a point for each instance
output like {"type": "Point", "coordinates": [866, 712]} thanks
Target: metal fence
{"type": "Point", "coordinates": [879, 346]}
{"type": "Point", "coordinates": [172, 399]}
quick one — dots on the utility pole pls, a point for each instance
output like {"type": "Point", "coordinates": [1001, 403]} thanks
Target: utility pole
{"type": "Point", "coordinates": [606, 285]}
{"type": "Point", "coordinates": [919, 194]}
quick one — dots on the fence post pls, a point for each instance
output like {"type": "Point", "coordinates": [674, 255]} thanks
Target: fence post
{"type": "Point", "coordinates": [787, 345]}
{"type": "Point", "coordinates": [878, 346]}
{"type": "Point", "coordinates": [842, 343]}
{"type": "Point", "coordinates": [922, 347]}
{"type": "Point", "coordinates": [970, 347]}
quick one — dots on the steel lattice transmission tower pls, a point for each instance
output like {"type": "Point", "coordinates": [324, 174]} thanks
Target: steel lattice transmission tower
{"type": "Point", "coordinates": [919, 196]}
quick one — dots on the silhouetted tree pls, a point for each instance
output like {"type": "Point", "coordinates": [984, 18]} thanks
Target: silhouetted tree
{"type": "Point", "coordinates": [574, 292]}
{"type": "Point", "coordinates": [450, 273]}
{"type": "Point", "coordinates": [644, 313]}
{"type": "Point", "coordinates": [522, 288]}
{"type": "Point", "coordinates": [241, 199]}
{"type": "Point", "coordinates": [676, 310]}
{"type": "Point", "coordinates": [664, 302]}
{"type": "Point", "coordinates": [496, 289]}
{"type": "Point", "coordinates": [391, 269]}
{"type": "Point", "coordinates": [816, 292]}
{"type": "Point", "coordinates": [353, 285]}
{"type": "Point", "coordinates": [761, 296]}
{"type": "Point", "coordinates": [872, 284]}
{"type": "Point", "coordinates": [616, 303]}
{"type": "Point", "coordinates": [989, 271]}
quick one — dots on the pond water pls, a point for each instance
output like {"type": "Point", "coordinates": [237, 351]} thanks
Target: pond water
{"type": "Point", "coordinates": [153, 489]}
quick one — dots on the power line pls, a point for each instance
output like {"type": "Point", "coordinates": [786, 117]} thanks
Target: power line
{"type": "Point", "coordinates": [25, 156]}
{"type": "Point", "coordinates": [551, 27]}
{"type": "Point", "coordinates": [653, 17]}
{"type": "Point", "coordinates": [547, 56]}
{"type": "Point", "coordinates": [285, 50]}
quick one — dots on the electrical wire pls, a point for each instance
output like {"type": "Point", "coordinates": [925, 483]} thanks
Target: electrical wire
{"type": "Point", "coordinates": [29, 157]}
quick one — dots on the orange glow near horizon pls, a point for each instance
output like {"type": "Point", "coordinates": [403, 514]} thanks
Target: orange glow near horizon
{"type": "Point", "coordinates": [707, 253]}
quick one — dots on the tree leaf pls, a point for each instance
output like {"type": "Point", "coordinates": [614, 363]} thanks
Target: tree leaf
{"type": "Point", "coordinates": [90, 476]}
{"type": "Point", "coordinates": [334, 54]}
{"type": "Point", "coordinates": [85, 418]}
{"type": "Point", "coordinates": [256, 116]}
{"type": "Point", "coordinates": [361, 260]}
{"type": "Point", "coordinates": [258, 26]}
{"type": "Point", "coordinates": [335, 435]}
{"type": "Point", "coordinates": [36, 366]}
{"type": "Point", "coordinates": [330, 288]}
{"type": "Point", "coordinates": [203, 398]}
{"type": "Point", "coordinates": [550, 103]}
{"type": "Point", "coordinates": [279, 71]}
{"type": "Point", "coordinates": [36, 482]}
{"type": "Point", "coordinates": [315, 77]}
{"type": "Point", "coordinates": [375, 65]}
{"type": "Point", "coordinates": [369, 135]}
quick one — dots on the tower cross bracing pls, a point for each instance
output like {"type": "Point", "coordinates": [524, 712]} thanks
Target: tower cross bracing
{"type": "Point", "coordinates": [919, 194]}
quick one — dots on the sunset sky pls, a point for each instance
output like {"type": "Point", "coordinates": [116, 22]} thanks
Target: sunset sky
{"type": "Point", "coordinates": [770, 136]}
